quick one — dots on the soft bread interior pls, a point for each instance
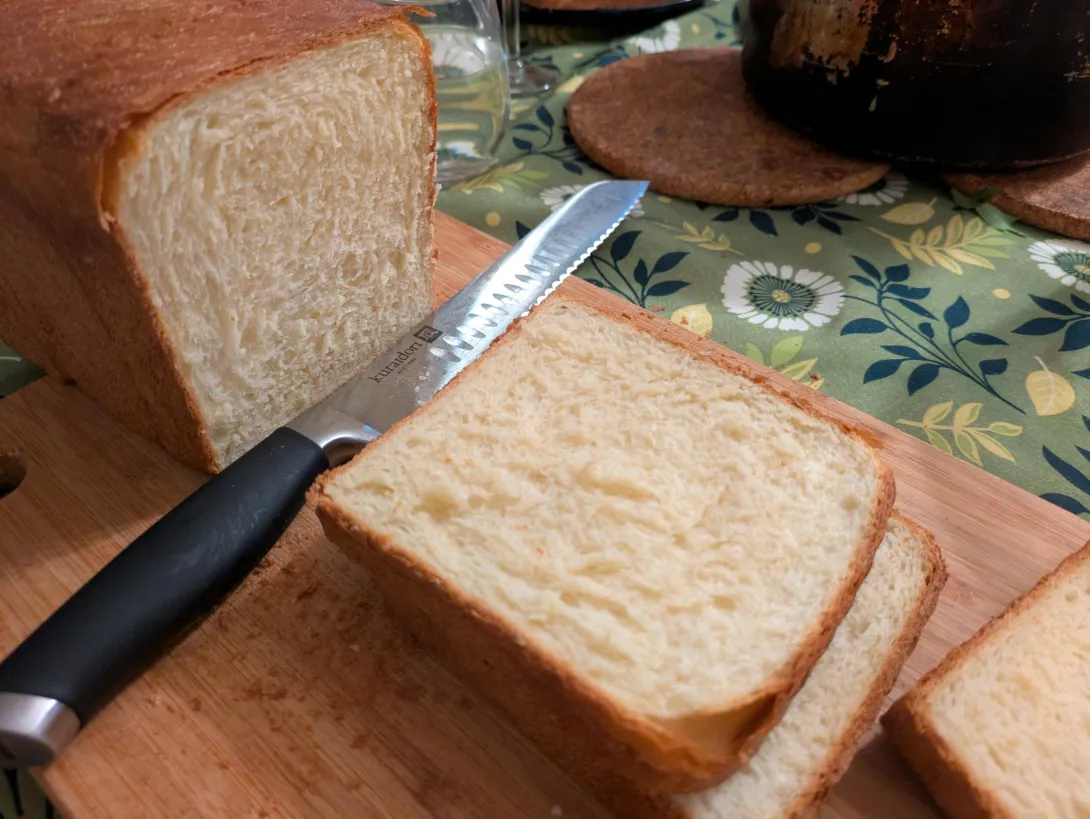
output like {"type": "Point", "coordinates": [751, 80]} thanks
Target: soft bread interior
{"type": "Point", "coordinates": [796, 755]}
{"type": "Point", "coordinates": [282, 221]}
{"type": "Point", "coordinates": [670, 532]}
{"type": "Point", "coordinates": [1015, 711]}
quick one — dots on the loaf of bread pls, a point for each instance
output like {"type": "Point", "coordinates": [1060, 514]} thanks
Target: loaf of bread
{"type": "Point", "coordinates": [805, 755]}
{"type": "Point", "coordinates": [637, 552]}
{"type": "Point", "coordinates": [212, 213]}
{"type": "Point", "coordinates": [1001, 727]}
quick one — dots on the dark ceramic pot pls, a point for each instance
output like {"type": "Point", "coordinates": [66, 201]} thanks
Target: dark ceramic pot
{"type": "Point", "coordinates": [951, 83]}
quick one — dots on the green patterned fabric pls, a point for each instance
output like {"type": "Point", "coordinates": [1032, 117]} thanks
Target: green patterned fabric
{"type": "Point", "coordinates": [935, 313]}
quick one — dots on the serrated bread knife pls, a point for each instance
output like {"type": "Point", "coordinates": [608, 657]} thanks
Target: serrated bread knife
{"type": "Point", "coordinates": [172, 576]}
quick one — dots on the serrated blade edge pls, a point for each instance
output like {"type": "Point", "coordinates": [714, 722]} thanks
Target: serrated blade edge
{"type": "Point", "coordinates": [427, 357]}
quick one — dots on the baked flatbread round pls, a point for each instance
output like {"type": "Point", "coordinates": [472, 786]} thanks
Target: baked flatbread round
{"type": "Point", "coordinates": [684, 121]}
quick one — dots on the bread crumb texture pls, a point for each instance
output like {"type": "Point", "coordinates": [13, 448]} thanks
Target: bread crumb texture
{"type": "Point", "coordinates": [1016, 711]}
{"type": "Point", "coordinates": [282, 222]}
{"type": "Point", "coordinates": [670, 529]}
{"type": "Point", "coordinates": [796, 754]}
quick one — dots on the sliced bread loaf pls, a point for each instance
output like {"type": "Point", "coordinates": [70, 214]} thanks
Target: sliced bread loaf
{"type": "Point", "coordinates": [1001, 727]}
{"type": "Point", "coordinates": [212, 214]}
{"type": "Point", "coordinates": [811, 747]}
{"type": "Point", "coordinates": [639, 553]}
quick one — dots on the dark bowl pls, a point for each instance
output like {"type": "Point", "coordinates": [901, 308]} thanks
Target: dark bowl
{"type": "Point", "coordinates": [968, 84]}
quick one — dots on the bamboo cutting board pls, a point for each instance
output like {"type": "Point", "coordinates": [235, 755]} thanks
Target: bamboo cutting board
{"type": "Point", "coordinates": [298, 698]}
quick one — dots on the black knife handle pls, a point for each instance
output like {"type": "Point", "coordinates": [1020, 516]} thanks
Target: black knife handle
{"type": "Point", "coordinates": [144, 600]}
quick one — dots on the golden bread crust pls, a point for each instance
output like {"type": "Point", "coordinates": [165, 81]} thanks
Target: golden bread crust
{"type": "Point", "coordinates": [840, 757]}
{"type": "Point", "coordinates": [578, 726]}
{"type": "Point", "coordinates": [909, 723]}
{"type": "Point", "coordinates": [633, 804]}
{"type": "Point", "coordinates": [79, 84]}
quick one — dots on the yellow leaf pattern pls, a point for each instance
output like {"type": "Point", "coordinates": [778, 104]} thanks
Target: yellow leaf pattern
{"type": "Point", "coordinates": [958, 243]}
{"type": "Point", "coordinates": [801, 369]}
{"type": "Point", "coordinates": [1050, 392]}
{"type": "Point", "coordinates": [911, 213]}
{"type": "Point", "coordinates": [967, 446]}
{"type": "Point", "coordinates": [705, 238]}
{"type": "Point", "coordinates": [513, 176]}
{"type": "Point", "coordinates": [570, 85]}
{"type": "Point", "coordinates": [695, 317]}
{"type": "Point", "coordinates": [937, 413]}
{"type": "Point", "coordinates": [966, 414]}
{"type": "Point", "coordinates": [969, 439]}
{"type": "Point", "coordinates": [938, 441]}
{"type": "Point", "coordinates": [782, 359]}
{"type": "Point", "coordinates": [784, 351]}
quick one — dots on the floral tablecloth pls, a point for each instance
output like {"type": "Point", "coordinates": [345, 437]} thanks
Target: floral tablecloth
{"type": "Point", "coordinates": [933, 312]}
{"type": "Point", "coordinates": [936, 313]}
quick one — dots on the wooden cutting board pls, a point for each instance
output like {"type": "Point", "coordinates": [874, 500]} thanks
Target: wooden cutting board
{"type": "Point", "coordinates": [299, 699]}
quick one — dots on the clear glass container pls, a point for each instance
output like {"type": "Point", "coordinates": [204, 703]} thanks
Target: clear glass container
{"type": "Point", "coordinates": [525, 80]}
{"type": "Point", "coordinates": [471, 82]}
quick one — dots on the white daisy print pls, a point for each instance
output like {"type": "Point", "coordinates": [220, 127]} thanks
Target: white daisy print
{"type": "Point", "coordinates": [888, 189]}
{"type": "Point", "coordinates": [553, 198]}
{"type": "Point", "coordinates": [1064, 259]}
{"type": "Point", "coordinates": [668, 39]}
{"type": "Point", "coordinates": [781, 298]}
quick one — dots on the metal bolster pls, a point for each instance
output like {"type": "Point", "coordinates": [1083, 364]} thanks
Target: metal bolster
{"type": "Point", "coordinates": [33, 730]}
{"type": "Point", "coordinates": [340, 436]}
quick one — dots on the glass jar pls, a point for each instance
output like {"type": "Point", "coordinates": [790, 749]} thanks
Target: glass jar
{"type": "Point", "coordinates": [470, 81]}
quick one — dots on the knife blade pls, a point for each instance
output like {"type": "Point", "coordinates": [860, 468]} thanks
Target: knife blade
{"type": "Point", "coordinates": [429, 355]}
{"type": "Point", "coordinates": [172, 576]}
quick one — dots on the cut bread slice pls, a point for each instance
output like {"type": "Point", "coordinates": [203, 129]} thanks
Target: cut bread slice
{"type": "Point", "coordinates": [1001, 727]}
{"type": "Point", "coordinates": [211, 217]}
{"type": "Point", "coordinates": [638, 552]}
{"type": "Point", "coordinates": [811, 747]}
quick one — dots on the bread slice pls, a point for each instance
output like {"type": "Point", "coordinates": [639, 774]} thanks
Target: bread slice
{"type": "Point", "coordinates": [1001, 727]}
{"type": "Point", "coordinates": [636, 551]}
{"type": "Point", "coordinates": [808, 752]}
{"type": "Point", "coordinates": [212, 214]}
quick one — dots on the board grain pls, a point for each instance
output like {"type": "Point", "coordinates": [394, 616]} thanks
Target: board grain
{"type": "Point", "coordinates": [298, 698]}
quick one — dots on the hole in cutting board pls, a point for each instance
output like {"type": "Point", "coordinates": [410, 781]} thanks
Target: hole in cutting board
{"type": "Point", "coordinates": [12, 472]}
